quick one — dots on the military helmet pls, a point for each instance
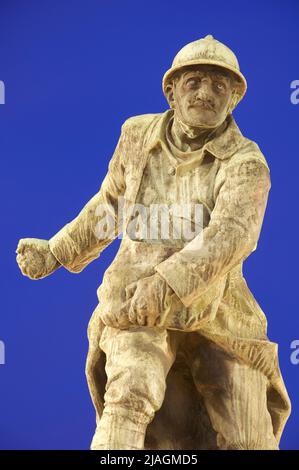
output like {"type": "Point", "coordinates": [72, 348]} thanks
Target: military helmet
{"type": "Point", "coordinates": [207, 51]}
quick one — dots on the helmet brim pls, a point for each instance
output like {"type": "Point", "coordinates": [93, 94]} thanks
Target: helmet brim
{"type": "Point", "coordinates": [240, 77]}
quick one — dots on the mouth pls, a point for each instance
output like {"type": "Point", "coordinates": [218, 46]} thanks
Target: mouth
{"type": "Point", "coordinates": [202, 105]}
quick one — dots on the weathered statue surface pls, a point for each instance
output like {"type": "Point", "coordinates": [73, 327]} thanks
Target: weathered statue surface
{"type": "Point", "coordinates": [179, 356]}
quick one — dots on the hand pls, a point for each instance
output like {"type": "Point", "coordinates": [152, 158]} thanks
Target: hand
{"type": "Point", "coordinates": [35, 259]}
{"type": "Point", "coordinates": [149, 298]}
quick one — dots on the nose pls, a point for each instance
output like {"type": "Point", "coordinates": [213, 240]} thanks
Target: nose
{"type": "Point", "coordinates": [205, 91]}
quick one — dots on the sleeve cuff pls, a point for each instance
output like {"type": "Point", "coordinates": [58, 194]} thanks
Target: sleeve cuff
{"type": "Point", "coordinates": [64, 250]}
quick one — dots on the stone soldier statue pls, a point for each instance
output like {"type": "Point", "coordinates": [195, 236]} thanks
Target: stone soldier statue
{"type": "Point", "coordinates": [179, 356]}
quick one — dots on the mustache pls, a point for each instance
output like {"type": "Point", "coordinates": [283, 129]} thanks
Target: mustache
{"type": "Point", "coordinates": [204, 103]}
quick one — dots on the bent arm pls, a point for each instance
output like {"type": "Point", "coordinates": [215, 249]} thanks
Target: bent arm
{"type": "Point", "coordinates": [83, 239]}
{"type": "Point", "coordinates": [231, 235]}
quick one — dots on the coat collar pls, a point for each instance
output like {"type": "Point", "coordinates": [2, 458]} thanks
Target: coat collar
{"type": "Point", "coordinates": [223, 146]}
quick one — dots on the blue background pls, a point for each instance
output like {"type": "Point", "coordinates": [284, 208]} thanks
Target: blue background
{"type": "Point", "coordinates": [74, 71]}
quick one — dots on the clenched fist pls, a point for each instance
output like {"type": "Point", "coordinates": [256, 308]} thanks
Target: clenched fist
{"type": "Point", "coordinates": [150, 297]}
{"type": "Point", "coordinates": [35, 259]}
{"type": "Point", "coordinates": [147, 302]}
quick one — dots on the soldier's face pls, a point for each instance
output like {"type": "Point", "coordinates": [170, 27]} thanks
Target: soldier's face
{"type": "Point", "coordinates": [202, 95]}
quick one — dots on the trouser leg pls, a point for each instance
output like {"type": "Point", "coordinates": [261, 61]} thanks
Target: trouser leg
{"type": "Point", "coordinates": [137, 363]}
{"type": "Point", "coordinates": [235, 396]}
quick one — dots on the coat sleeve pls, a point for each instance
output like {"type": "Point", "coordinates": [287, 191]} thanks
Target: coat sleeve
{"type": "Point", "coordinates": [83, 239]}
{"type": "Point", "coordinates": [241, 195]}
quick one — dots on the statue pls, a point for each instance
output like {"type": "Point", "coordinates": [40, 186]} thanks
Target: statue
{"type": "Point", "coordinates": [179, 356]}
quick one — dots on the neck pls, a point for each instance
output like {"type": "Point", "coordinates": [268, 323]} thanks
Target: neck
{"type": "Point", "coordinates": [188, 138]}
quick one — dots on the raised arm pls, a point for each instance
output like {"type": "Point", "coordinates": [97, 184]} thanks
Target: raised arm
{"type": "Point", "coordinates": [81, 240]}
{"type": "Point", "coordinates": [241, 194]}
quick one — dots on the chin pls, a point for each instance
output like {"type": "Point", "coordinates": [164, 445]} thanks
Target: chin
{"type": "Point", "coordinates": [201, 123]}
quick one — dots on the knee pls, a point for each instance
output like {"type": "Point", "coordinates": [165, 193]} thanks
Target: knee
{"type": "Point", "coordinates": [137, 363]}
{"type": "Point", "coordinates": [138, 389]}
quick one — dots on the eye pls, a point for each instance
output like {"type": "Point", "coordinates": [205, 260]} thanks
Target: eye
{"type": "Point", "coordinates": [192, 82]}
{"type": "Point", "coordinates": [220, 86]}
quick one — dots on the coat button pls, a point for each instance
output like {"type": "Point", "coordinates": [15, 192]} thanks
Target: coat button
{"type": "Point", "coordinates": [171, 170]}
